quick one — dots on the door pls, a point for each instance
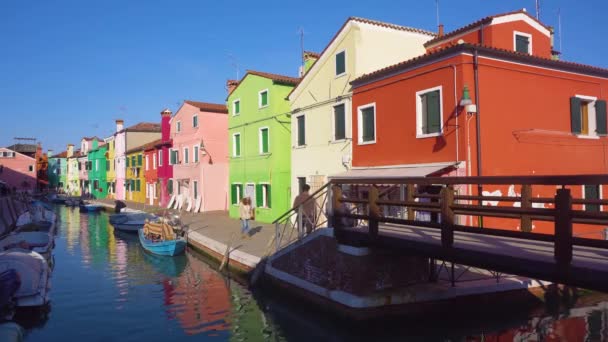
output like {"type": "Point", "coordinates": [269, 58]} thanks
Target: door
{"type": "Point", "coordinates": [250, 192]}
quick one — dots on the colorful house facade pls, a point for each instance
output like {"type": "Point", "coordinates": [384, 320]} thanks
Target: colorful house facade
{"type": "Point", "coordinates": [98, 167]}
{"type": "Point", "coordinates": [260, 144]}
{"type": "Point", "coordinates": [495, 103]}
{"type": "Point", "coordinates": [135, 181]}
{"type": "Point", "coordinates": [110, 166]}
{"type": "Point", "coordinates": [73, 171]}
{"type": "Point", "coordinates": [127, 139]}
{"type": "Point", "coordinates": [165, 169]}
{"type": "Point", "coordinates": [200, 155]}
{"type": "Point", "coordinates": [321, 102]}
{"type": "Point", "coordinates": [151, 172]}
{"type": "Point", "coordinates": [57, 171]}
{"type": "Point", "coordinates": [17, 171]}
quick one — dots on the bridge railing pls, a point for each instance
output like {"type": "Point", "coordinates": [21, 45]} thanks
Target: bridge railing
{"type": "Point", "coordinates": [452, 204]}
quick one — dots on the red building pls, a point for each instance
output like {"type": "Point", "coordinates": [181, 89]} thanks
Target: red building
{"type": "Point", "coordinates": [486, 99]}
{"type": "Point", "coordinates": [151, 171]}
{"type": "Point", "coordinates": [165, 169]}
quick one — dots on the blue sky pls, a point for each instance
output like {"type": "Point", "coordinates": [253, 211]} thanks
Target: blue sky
{"type": "Point", "coordinates": [68, 69]}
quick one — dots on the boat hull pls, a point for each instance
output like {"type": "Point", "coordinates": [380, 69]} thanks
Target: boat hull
{"type": "Point", "coordinates": [168, 248]}
{"type": "Point", "coordinates": [128, 227]}
{"type": "Point", "coordinates": [91, 208]}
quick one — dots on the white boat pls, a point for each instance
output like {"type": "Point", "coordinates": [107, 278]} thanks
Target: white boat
{"type": "Point", "coordinates": [33, 272]}
{"type": "Point", "coordinates": [11, 332]}
{"type": "Point", "coordinates": [131, 222]}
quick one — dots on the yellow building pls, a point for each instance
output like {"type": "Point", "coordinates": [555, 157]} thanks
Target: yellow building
{"type": "Point", "coordinates": [135, 181]}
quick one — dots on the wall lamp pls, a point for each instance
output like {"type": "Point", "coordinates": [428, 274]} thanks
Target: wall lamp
{"type": "Point", "coordinates": [466, 101]}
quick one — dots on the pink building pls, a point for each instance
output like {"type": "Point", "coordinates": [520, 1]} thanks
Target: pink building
{"type": "Point", "coordinates": [200, 155]}
{"type": "Point", "coordinates": [17, 170]}
{"type": "Point", "coordinates": [165, 169]}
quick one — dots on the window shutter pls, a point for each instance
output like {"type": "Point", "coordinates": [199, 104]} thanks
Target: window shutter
{"type": "Point", "coordinates": [340, 63]}
{"type": "Point", "coordinates": [265, 140]}
{"type": "Point", "coordinates": [367, 116]}
{"type": "Point", "coordinates": [258, 195]}
{"type": "Point", "coordinates": [139, 159]}
{"type": "Point", "coordinates": [339, 123]}
{"type": "Point", "coordinates": [522, 44]}
{"type": "Point", "coordinates": [170, 186]}
{"type": "Point", "coordinates": [237, 142]}
{"type": "Point", "coordinates": [268, 203]}
{"type": "Point", "coordinates": [233, 194]}
{"type": "Point", "coordinates": [592, 192]}
{"type": "Point", "coordinates": [433, 117]}
{"type": "Point", "coordinates": [575, 115]}
{"type": "Point", "coordinates": [237, 107]}
{"type": "Point", "coordinates": [600, 117]}
{"type": "Point", "coordinates": [301, 131]}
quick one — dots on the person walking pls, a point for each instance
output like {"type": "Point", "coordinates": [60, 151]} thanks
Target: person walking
{"type": "Point", "coordinates": [308, 212]}
{"type": "Point", "coordinates": [245, 216]}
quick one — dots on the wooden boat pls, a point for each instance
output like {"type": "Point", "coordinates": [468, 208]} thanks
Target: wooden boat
{"type": "Point", "coordinates": [33, 272]}
{"type": "Point", "coordinates": [131, 222]}
{"type": "Point", "coordinates": [160, 238]}
{"type": "Point", "coordinates": [90, 208]}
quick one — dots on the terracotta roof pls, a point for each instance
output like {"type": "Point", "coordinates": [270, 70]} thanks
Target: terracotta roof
{"type": "Point", "coordinates": [312, 54]}
{"type": "Point", "coordinates": [143, 127]}
{"type": "Point", "coordinates": [209, 107]}
{"type": "Point", "coordinates": [135, 149]}
{"type": "Point", "coordinates": [282, 79]}
{"type": "Point", "coordinates": [474, 24]}
{"type": "Point", "coordinates": [152, 145]}
{"type": "Point", "coordinates": [365, 21]}
{"type": "Point", "coordinates": [486, 50]}
{"type": "Point", "coordinates": [92, 138]}
{"type": "Point", "coordinates": [63, 154]}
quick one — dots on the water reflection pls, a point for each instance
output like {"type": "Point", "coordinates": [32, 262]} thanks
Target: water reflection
{"type": "Point", "coordinates": [106, 287]}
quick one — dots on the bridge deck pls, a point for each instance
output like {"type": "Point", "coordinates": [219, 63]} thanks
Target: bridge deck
{"type": "Point", "coordinates": [534, 259]}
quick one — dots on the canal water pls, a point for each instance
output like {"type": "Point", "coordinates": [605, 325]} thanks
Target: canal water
{"type": "Point", "coordinates": [106, 288]}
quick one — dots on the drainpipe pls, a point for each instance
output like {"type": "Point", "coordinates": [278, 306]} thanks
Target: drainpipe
{"type": "Point", "coordinates": [477, 123]}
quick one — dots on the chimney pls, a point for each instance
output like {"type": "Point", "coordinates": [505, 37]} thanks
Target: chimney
{"type": "Point", "coordinates": [440, 33]}
{"type": "Point", "coordinates": [49, 153]}
{"type": "Point", "coordinates": [165, 126]}
{"type": "Point", "coordinates": [309, 59]}
{"type": "Point", "coordinates": [70, 150]}
{"type": "Point", "coordinates": [38, 150]}
{"type": "Point", "coordinates": [230, 85]}
{"type": "Point", "coordinates": [120, 124]}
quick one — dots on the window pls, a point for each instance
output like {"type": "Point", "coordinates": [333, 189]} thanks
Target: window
{"type": "Point", "coordinates": [301, 138]}
{"type": "Point", "coordinates": [339, 122]}
{"type": "Point", "coordinates": [174, 158]}
{"type": "Point", "coordinates": [107, 165]}
{"type": "Point", "coordinates": [587, 115]}
{"type": "Point", "coordinates": [147, 164]}
{"type": "Point", "coordinates": [195, 121]}
{"type": "Point", "coordinates": [186, 158]}
{"type": "Point", "coordinates": [31, 168]}
{"type": "Point", "coordinates": [80, 166]}
{"type": "Point", "coordinates": [195, 186]}
{"type": "Point", "coordinates": [236, 107]}
{"type": "Point", "coordinates": [262, 195]}
{"type": "Point", "coordinates": [340, 63]}
{"type": "Point", "coordinates": [429, 112]}
{"type": "Point", "coordinates": [263, 98]}
{"type": "Point", "coordinates": [154, 161]}
{"type": "Point", "coordinates": [195, 153]}
{"type": "Point", "coordinates": [138, 185]}
{"type": "Point", "coordinates": [139, 160]}
{"type": "Point", "coordinates": [367, 124]}
{"type": "Point", "coordinates": [96, 164]}
{"type": "Point", "coordinates": [236, 145]}
{"type": "Point", "coordinates": [522, 42]}
{"type": "Point", "coordinates": [170, 186]}
{"type": "Point", "coordinates": [263, 140]}
{"type": "Point", "coordinates": [160, 158]}
{"type": "Point", "coordinates": [178, 126]}
{"type": "Point", "coordinates": [133, 164]}
{"type": "Point", "coordinates": [236, 192]}
{"type": "Point", "coordinates": [592, 192]}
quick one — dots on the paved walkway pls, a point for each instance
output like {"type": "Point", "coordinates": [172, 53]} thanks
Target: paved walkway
{"type": "Point", "coordinates": [218, 227]}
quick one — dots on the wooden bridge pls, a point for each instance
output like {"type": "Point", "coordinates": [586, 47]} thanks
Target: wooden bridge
{"type": "Point", "coordinates": [452, 221]}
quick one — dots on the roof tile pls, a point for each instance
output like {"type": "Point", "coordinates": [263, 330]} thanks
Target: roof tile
{"type": "Point", "coordinates": [209, 107]}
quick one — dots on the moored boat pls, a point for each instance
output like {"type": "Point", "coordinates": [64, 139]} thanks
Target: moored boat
{"type": "Point", "coordinates": [33, 271]}
{"type": "Point", "coordinates": [162, 239]}
{"type": "Point", "coordinates": [131, 222]}
{"type": "Point", "coordinates": [90, 208]}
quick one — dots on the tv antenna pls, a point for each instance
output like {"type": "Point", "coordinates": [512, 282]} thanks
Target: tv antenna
{"type": "Point", "coordinates": [301, 33]}
{"type": "Point", "coordinates": [437, 11]}
{"type": "Point", "coordinates": [235, 64]}
{"type": "Point", "coordinates": [559, 29]}
{"type": "Point", "coordinates": [537, 9]}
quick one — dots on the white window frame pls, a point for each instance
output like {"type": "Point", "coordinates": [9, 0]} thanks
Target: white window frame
{"type": "Point", "coordinates": [360, 124]}
{"type": "Point", "coordinates": [345, 63]}
{"type": "Point", "coordinates": [239, 195]}
{"type": "Point", "coordinates": [178, 126]}
{"type": "Point", "coordinates": [600, 190]}
{"type": "Point", "coordinates": [186, 155]}
{"type": "Point", "coordinates": [160, 157]}
{"type": "Point", "coordinates": [195, 152]}
{"type": "Point", "coordinates": [333, 122]}
{"type": "Point", "coordinates": [234, 113]}
{"type": "Point", "coordinates": [147, 163]}
{"type": "Point", "coordinates": [264, 194]}
{"type": "Point", "coordinates": [590, 117]}
{"type": "Point", "coordinates": [419, 133]}
{"type": "Point", "coordinates": [260, 98]}
{"type": "Point", "coordinates": [523, 34]}
{"type": "Point", "coordinates": [195, 116]}
{"type": "Point", "coordinates": [297, 145]}
{"type": "Point", "coordinates": [154, 161]}
{"type": "Point", "coordinates": [260, 145]}
{"type": "Point", "coordinates": [234, 144]}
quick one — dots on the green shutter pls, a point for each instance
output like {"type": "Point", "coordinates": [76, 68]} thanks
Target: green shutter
{"type": "Point", "coordinates": [195, 121]}
{"type": "Point", "coordinates": [341, 63]}
{"type": "Point", "coordinates": [268, 203]}
{"type": "Point", "coordinates": [133, 164]}
{"type": "Point", "coordinates": [600, 117]}
{"type": "Point", "coordinates": [139, 158]}
{"type": "Point", "coordinates": [170, 186]}
{"type": "Point", "coordinates": [237, 107]}
{"type": "Point", "coordinates": [301, 131]}
{"type": "Point", "coordinates": [521, 44]}
{"type": "Point", "coordinates": [592, 192]}
{"type": "Point", "coordinates": [172, 153]}
{"type": "Point", "coordinates": [264, 98]}
{"type": "Point", "coordinates": [368, 123]}
{"type": "Point", "coordinates": [127, 161]}
{"type": "Point", "coordinates": [237, 142]}
{"type": "Point", "coordinates": [264, 133]}
{"type": "Point", "coordinates": [339, 123]}
{"type": "Point", "coordinates": [433, 110]}
{"type": "Point", "coordinates": [233, 194]}
{"type": "Point", "coordinates": [258, 195]}
{"type": "Point", "coordinates": [575, 115]}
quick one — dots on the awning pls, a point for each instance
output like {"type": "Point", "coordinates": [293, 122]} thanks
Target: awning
{"type": "Point", "coordinates": [413, 170]}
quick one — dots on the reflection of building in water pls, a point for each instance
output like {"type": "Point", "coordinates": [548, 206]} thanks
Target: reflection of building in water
{"type": "Point", "coordinates": [248, 321]}
{"type": "Point", "coordinates": [71, 223]}
{"type": "Point", "coordinates": [84, 239]}
{"type": "Point", "coordinates": [98, 238]}
{"type": "Point", "coordinates": [199, 298]}
{"type": "Point", "coordinates": [581, 324]}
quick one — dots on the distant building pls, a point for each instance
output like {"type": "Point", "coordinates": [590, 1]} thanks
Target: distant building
{"type": "Point", "coordinates": [57, 170]}
{"type": "Point", "coordinates": [98, 167]}
{"type": "Point", "coordinates": [17, 170]}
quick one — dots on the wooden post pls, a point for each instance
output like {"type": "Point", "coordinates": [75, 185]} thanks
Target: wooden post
{"type": "Point", "coordinates": [447, 216]}
{"type": "Point", "coordinates": [409, 196]}
{"type": "Point", "coordinates": [563, 227]}
{"type": "Point", "coordinates": [526, 203]}
{"type": "Point", "coordinates": [374, 212]}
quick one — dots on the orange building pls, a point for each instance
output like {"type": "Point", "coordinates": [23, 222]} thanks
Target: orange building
{"type": "Point", "coordinates": [486, 99]}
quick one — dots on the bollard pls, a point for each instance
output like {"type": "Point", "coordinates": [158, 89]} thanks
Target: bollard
{"type": "Point", "coordinates": [447, 216]}
{"type": "Point", "coordinates": [563, 228]}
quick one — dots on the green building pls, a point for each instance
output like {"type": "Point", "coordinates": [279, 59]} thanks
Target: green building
{"type": "Point", "coordinates": [57, 171]}
{"type": "Point", "coordinates": [97, 168]}
{"type": "Point", "coordinates": [260, 143]}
